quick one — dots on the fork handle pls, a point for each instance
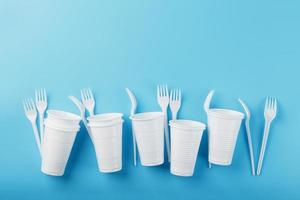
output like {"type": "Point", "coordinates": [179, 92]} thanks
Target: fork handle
{"type": "Point", "coordinates": [263, 147]}
{"type": "Point", "coordinates": [41, 119]}
{"type": "Point", "coordinates": [167, 135]}
{"type": "Point", "coordinates": [174, 115]}
{"type": "Point", "coordinates": [37, 137]}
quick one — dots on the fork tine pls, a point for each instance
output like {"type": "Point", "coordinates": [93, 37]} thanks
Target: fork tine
{"type": "Point", "coordinates": [171, 95]}
{"type": "Point", "coordinates": [27, 104]}
{"type": "Point", "coordinates": [160, 91]}
{"type": "Point", "coordinates": [91, 93]}
{"type": "Point", "coordinates": [81, 94]}
{"type": "Point", "coordinates": [87, 94]}
{"type": "Point", "coordinates": [167, 91]}
{"type": "Point", "coordinates": [44, 95]}
{"type": "Point", "coordinates": [32, 104]}
{"type": "Point", "coordinates": [271, 103]}
{"type": "Point", "coordinates": [177, 96]}
{"type": "Point", "coordinates": [24, 105]}
{"type": "Point", "coordinates": [40, 95]}
{"type": "Point", "coordinates": [275, 105]}
{"type": "Point", "coordinates": [36, 96]}
{"type": "Point", "coordinates": [266, 104]}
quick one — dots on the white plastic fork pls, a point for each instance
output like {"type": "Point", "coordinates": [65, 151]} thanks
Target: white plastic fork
{"type": "Point", "coordinates": [163, 101]}
{"type": "Point", "coordinates": [31, 114]}
{"type": "Point", "coordinates": [175, 102]}
{"type": "Point", "coordinates": [88, 100]}
{"type": "Point", "coordinates": [41, 105]}
{"type": "Point", "coordinates": [270, 114]}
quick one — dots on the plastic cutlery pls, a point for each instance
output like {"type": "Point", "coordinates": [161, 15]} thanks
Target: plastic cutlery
{"type": "Point", "coordinates": [41, 105]}
{"type": "Point", "coordinates": [163, 101]}
{"type": "Point", "coordinates": [81, 108]}
{"type": "Point", "coordinates": [31, 114]}
{"type": "Point", "coordinates": [175, 102]}
{"type": "Point", "coordinates": [88, 100]}
{"type": "Point", "coordinates": [132, 112]}
{"type": "Point", "coordinates": [270, 114]}
{"type": "Point", "coordinates": [206, 108]}
{"type": "Point", "coordinates": [248, 131]}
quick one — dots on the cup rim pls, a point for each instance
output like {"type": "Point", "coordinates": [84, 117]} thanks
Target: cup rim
{"type": "Point", "coordinates": [61, 128]}
{"type": "Point", "coordinates": [105, 117]}
{"type": "Point", "coordinates": [187, 124]}
{"type": "Point", "coordinates": [226, 113]}
{"type": "Point", "coordinates": [146, 116]}
{"type": "Point", "coordinates": [105, 124]}
{"type": "Point", "coordinates": [63, 115]}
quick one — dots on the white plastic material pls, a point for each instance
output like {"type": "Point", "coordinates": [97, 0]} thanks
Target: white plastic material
{"type": "Point", "coordinates": [248, 131]}
{"type": "Point", "coordinates": [105, 117]}
{"type": "Point", "coordinates": [163, 101]}
{"type": "Point", "coordinates": [185, 141]}
{"type": "Point", "coordinates": [148, 128]}
{"type": "Point", "coordinates": [107, 136]}
{"type": "Point", "coordinates": [223, 126]}
{"type": "Point", "coordinates": [132, 112]}
{"type": "Point", "coordinates": [56, 147]}
{"type": "Point", "coordinates": [63, 118]}
{"type": "Point", "coordinates": [270, 114]}
{"type": "Point", "coordinates": [60, 132]}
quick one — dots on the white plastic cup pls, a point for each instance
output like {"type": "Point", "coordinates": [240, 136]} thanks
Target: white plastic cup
{"type": "Point", "coordinates": [62, 118]}
{"type": "Point", "coordinates": [105, 117]}
{"type": "Point", "coordinates": [223, 127]}
{"type": "Point", "coordinates": [148, 129]}
{"type": "Point", "coordinates": [107, 139]}
{"type": "Point", "coordinates": [185, 141]}
{"type": "Point", "coordinates": [56, 147]}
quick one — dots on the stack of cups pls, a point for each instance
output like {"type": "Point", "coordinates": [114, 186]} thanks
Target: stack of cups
{"type": "Point", "coordinates": [223, 126]}
{"type": "Point", "coordinates": [106, 133]}
{"type": "Point", "coordinates": [148, 129]}
{"type": "Point", "coordinates": [60, 132]}
{"type": "Point", "coordinates": [185, 141]}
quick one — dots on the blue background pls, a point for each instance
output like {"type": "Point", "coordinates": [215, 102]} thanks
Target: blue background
{"type": "Point", "coordinates": [246, 49]}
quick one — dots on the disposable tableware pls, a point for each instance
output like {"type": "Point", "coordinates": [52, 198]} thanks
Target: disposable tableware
{"type": "Point", "coordinates": [88, 100]}
{"type": "Point", "coordinates": [223, 129]}
{"type": "Point", "coordinates": [185, 141]}
{"type": "Point", "coordinates": [41, 105]}
{"type": "Point", "coordinates": [60, 132]}
{"type": "Point", "coordinates": [163, 101]}
{"type": "Point", "coordinates": [132, 112]}
{"type": "Point", "coordinates": [106, 130]}
{"type": "Point", "coordinates": [248, 131]}
{"type": "Point", "coordinates": [148, 129]}
{"type": "Point", "coordinates": [175, 102]}
{"type": "Point", "coordinates": [31, 114]}
{"type": "Point", "coordinates": [270, 114]}
{"type": "Point", "coordinates": [206, 108]}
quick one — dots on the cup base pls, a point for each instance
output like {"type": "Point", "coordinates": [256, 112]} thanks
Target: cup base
{"type": "Point", "coordinates": [182, 174]}
{"type": "Point", "coordinates": [52, 173]}
{"type": "Point", "coordinates": [218, 162]}
{"type": "Point", "coordinates": [107, 171]}
{"type": "Point", "coordinates": [152, 164]}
